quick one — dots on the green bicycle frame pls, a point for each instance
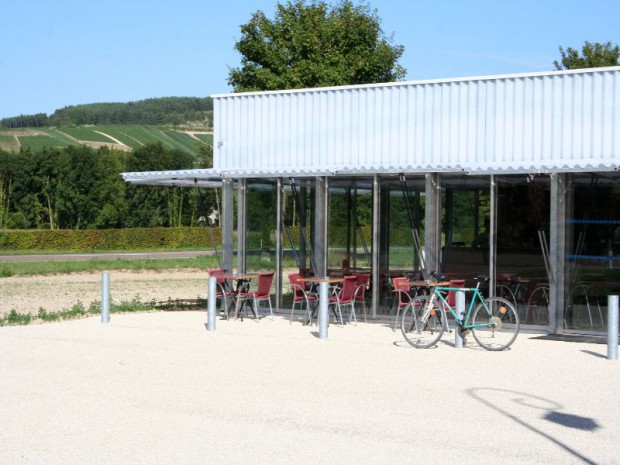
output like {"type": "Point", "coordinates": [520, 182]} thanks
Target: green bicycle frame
{"type": "Point", "coordinates": [477, 296]}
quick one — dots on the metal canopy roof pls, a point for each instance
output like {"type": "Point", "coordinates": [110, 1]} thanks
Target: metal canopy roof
{"type": "Point", "coordinates": [188, 178]}
{"type": "Point", "coordinates": [559, 121]}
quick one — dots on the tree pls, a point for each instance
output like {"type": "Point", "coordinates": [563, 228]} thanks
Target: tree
{"type": "Point", "coordinates": [594, 55]}
{"type": "Point", "coordinates": [313, 44]}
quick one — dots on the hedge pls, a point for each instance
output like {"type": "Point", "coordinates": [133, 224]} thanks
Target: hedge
{"type": "Point", "coordinates": [108, 239]}
{"type": "Point", "coordinates": [152, 238]}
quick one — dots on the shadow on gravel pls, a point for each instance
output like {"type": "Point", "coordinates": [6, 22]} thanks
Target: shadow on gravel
{"type": "Point", "coordinates": [596, 354]}
{"type": "Point", "coordinates": [515, 400]}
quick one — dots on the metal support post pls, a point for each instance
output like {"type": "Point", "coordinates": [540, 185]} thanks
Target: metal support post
{"type": "Point", "coordinates": [612, 327]}
{"type": "Point", "coordinates": [323, 309]}
{"type": "Point", "coordinates": [460, 311]}
{"type": "Point", "coordinates": [211, 304]}
{"type": "Point", "coordinates": [105, 297]}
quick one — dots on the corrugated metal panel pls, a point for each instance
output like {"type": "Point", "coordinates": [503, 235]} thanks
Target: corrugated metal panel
{"type": "Point", "coordinates": [565, 121]}
{"type": "Point", "coordinates": [200, 177]}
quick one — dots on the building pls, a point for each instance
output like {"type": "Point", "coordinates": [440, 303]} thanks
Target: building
{"type": "Point", "coordinates": [513, 176]}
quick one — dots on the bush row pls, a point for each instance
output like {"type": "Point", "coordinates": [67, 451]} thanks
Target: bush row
{"type": "Point", "coordinates": [108, 239]}
{"type": "Point", "coordinates": [152, 238]}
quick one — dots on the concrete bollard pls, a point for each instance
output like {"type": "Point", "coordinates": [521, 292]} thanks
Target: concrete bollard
{"type": "Point", "coordinates": [460, 311]}
{"type": "Point", "coordinates": [612, 327]}
{"type": "Point", "coordinates": [105, 297]}
{"type": "Point", "coordinates": [323, 309]}
{"type": "Point", "coordinates": [211, 304]}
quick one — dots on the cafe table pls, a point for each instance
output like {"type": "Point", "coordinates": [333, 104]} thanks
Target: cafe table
{"type": "Point", "coordinates": [242, 279]}
{"type": "Point", "coordinates": [323, 283]}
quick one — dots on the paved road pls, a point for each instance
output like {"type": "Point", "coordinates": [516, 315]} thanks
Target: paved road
{"type": "Point", "coordinates": [103, 256]}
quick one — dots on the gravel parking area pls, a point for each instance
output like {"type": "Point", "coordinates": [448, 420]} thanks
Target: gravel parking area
{"type": "Point", "coordinates": [158, 388]}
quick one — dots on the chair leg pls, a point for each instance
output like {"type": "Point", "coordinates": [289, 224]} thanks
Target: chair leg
{"type": "Point", "coordinates": [340, 313]}
{"type": "Point", "coordinates": [396, 319]}
{"type": "Point", "coordinates": [308, 312]}
{"type": "Point", "coordinates": [270, 308]}
{"type": "Point", "coordinates": [352, 316]}
{"type": "Point", "coordinates": [292, 310]}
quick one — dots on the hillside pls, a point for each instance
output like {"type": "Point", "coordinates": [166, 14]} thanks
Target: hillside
{"type": "Point", "coordinates": [117, 136]}
{"type": "Point", "coordinates": [187, 112]}
{"type": "Point", "coordinates": [175, 122]}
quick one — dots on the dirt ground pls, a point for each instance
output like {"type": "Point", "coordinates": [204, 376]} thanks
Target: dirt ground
{"type": "Point", "coordinates": [61, 292]}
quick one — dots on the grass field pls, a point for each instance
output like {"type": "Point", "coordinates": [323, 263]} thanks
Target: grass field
{"type": "Point", "coordinates": [132, 136]}
{"type": "Point", "coordinates": [9, 143]}
{"type": "Point", "coordinates": [86, 134]}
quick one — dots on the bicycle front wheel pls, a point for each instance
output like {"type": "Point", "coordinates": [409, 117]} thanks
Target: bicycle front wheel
{"type": "Point", "coordinates": [495, 324]}
{"type": "Point", "coordinates": [422, 324]}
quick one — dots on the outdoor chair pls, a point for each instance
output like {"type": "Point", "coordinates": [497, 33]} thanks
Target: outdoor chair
{"type": "Point", "coordinates": [262, 292]}
{"type": "Point", "coordinates": [403, 295]}
{"type": "Point", "coordinates": [301, 296]}
{"type": "Point", "coordinates": [344, 297]}
{"type": "Point", "coordinates": [222, 288]}
{"type": "Point", "coordinates": [361, 286]}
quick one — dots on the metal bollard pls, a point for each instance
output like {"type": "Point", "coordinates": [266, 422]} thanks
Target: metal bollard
{"type": "Point", "coordinates": [612, 327]}
{"type": "Point", "coordinates": [323, 309]}
{"type": "Point", "coordinates": [212, 299]}
{"type": "Point", "coordinates": [460, 311]}
{"type": "Point", "coordinates": [105, 297]}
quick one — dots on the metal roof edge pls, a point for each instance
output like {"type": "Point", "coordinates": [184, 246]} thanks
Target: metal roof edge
{"type": "Point", "coordinates": [422, 82]}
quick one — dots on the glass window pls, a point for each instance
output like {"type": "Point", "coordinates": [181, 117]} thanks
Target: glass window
{"type": "Point", "coordinates": [522, 253]}
{"type": "Point", "coordinates": [593, 255]}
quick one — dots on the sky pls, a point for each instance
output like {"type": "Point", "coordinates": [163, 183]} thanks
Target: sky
{"type": "Point", "coordinates": [59, 53]}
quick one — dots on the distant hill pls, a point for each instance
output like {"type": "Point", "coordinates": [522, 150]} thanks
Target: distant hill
{"type": "Point", "coordinates": [117, 136]}
{"type": "Point", "coordinates": [190, 112]}
{"type": "Point", "coordinates": [175, 122]}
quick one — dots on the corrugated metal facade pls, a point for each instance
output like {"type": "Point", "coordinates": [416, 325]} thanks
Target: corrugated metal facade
{"type": "Point", "coordinates": [557, 121]}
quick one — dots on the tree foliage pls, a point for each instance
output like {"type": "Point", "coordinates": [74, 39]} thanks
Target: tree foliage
{"type": "Point", "coordinates": [313, 44]}
{"type": "Point", "coordinates": [81, 188]}
{"type": "Point", "coordinates": [593, 55]}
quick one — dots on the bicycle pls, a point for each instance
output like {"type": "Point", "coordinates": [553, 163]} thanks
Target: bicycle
{"type": "Point", "coordinates": [493, 322]}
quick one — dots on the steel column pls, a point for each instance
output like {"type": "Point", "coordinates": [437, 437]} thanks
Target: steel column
{"type": "Point", "coordinates": [492, 235]}
{"type": "Point", "coordinates": [227, 225]}
{"type": "Point", "coordinates": [432, 223]}
{"type": "Point", "coordinates": [557, 251]}
{"type": "Point", "coordinates": [376, 231]}
{"type": "Point", "coordinates": [241, 225]}
{"type": "Point", "coordinates": [320, 225]}
{"type": "Point", "coordinates": [279, 222]}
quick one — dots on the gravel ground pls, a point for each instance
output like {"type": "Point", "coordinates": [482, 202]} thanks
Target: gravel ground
{"type": "Point", "coordinates": [61, 292]}
{"type": "Point", "coordinates": [158, 388]}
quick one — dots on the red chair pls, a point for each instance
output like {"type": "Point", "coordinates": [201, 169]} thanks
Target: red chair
{"type": "Point", "coordinates": [300, 295]}
{"type": "Point", "coordinates": [403, 296]}
{"type": "Point", "coordinates": [361, 286]}
{"type": "Point", "coordinates": [261, 293]}
{"type": "Point", "coordinates": [344, 297]}
{"type": "Point", "coordinates": [221, 288]}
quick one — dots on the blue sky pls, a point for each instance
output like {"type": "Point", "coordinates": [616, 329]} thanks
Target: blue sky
{"type": "Point", "coordinates": [67, 52]}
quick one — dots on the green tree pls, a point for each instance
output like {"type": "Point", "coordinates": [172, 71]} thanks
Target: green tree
{"type": "Point", "coordinates": [313, 44]}
{"type": "Point", "coordinates": [593, 55]}
{"type": "Point", "coordinates": [157, 205]}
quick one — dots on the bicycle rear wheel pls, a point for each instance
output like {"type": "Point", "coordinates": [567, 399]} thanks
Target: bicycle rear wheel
{"type": "Point", "coordinates": [422, 326]}
{"type": "Point", "coordinates": [496, 325]}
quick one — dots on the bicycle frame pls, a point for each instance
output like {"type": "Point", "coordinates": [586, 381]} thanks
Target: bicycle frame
{"type": "Point", "coordinates": [477, 297]}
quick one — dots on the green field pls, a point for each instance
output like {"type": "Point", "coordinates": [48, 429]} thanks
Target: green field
{"type": "Point", "coordinates": [131, 136]}
{"type": "Point", "coordinates": [86, 133]}
{"type": "Point", "coordinates": [9, 143]}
